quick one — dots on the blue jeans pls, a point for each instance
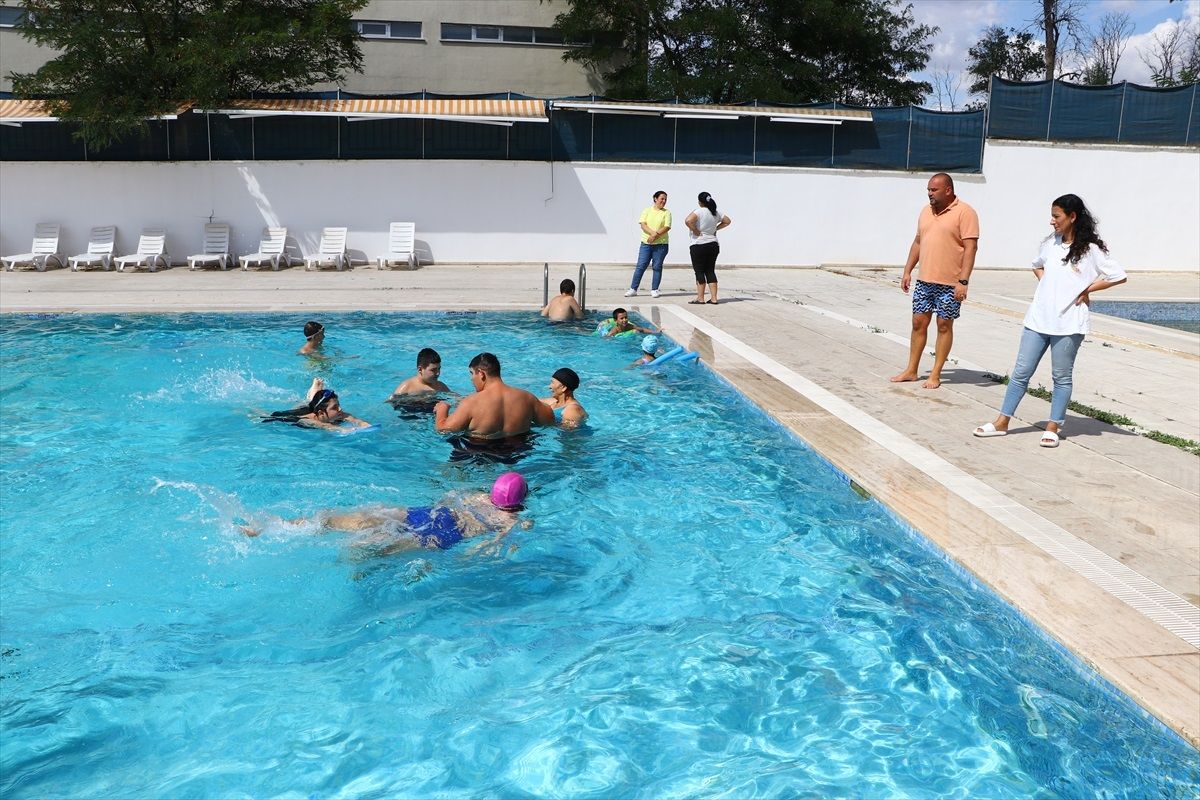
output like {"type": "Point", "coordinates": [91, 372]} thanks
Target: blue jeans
{"type": "Point", "coordinates": [652, 255]}
{"type": "Point", "coordinates": [1063, 350]}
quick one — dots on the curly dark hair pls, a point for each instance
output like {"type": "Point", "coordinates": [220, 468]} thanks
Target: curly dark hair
{"type": "Point", "coordinates": [1084, 233]}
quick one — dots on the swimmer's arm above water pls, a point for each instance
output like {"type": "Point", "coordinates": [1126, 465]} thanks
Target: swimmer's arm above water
{"type": "Point", "coordinates": [460, 420]}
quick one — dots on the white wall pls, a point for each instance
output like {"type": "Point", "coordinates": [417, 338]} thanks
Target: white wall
{"type": "Point", "coordinates": [1148, 202]}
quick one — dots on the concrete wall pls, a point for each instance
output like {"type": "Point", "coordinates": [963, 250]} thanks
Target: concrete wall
{"type": "Point", "coordinates": [1148, 202]}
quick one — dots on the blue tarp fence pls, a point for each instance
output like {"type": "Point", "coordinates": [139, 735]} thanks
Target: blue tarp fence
{"type": "Point", "coordinates": [902, 139]}
{"type": "Point", "coordinates": [897, 139]}
{"type": "Point", "coordinates": [1065, 112]}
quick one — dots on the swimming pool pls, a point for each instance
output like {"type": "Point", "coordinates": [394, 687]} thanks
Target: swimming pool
{"type": "Point", "coordinates": [701, 608]}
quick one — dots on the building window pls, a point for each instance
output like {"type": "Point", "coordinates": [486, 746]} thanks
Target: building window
{"type": "Point", "coordinates": [378, 29]}
{"type": "Point", "coordinates": [500, 34]}
{"type": "Point", "coordinates": [11, 17]}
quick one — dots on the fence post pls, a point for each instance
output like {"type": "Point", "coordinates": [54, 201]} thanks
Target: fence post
{"type": "Point", "coordinates": [908, 155]}
{"type": "Point", "coordinates": [1050, 112]}
{"type": "Point", "coordinates": [1121, 118]}
{"type": "Point", "coordinates": [1187, 136]}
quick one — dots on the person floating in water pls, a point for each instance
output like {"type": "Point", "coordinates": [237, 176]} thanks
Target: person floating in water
{"type": "Point", "coordinates": [621, 324]}
{"type": "Point", "coordinates": [565, 306]}
{"type": "Point", "coordinates": [562, 400]}
{"type": "Point", "coordinates": [420, 388]}
{"type": "Point", "coordinates": [314, 337]}
{"type": "Point", "coordinates": [455, 517]}
{"type": "Point", "coordinates": [649, 351]}
{"type": "Point", "coordinates": [323, 410]}
{"type": "Point", "coordinates": [496, 410]}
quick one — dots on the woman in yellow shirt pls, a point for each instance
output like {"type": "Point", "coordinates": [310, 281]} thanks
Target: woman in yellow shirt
{"type": "Point", "coordinates": [655, 222]}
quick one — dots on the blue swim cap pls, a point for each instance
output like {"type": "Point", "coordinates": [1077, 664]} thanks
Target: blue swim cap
{"type": "Point", "coordinates": [649, 344]}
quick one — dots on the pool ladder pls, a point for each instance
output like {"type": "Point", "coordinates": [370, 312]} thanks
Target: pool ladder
{"type": "Point", "coordinates": [580, 285]}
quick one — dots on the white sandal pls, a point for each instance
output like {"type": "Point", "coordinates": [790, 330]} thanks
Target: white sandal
{"type": "Point", "coordinates": [1049, 439]}
{"type": "Point", "coordinates": [989, 429]}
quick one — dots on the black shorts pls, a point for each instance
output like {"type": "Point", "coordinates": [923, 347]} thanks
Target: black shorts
{"type": "Point", "coordinates": [704, 261]}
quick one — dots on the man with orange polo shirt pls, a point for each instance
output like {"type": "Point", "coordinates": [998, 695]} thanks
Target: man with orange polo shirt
{"type": "Point", "coordinates": [946, 242]}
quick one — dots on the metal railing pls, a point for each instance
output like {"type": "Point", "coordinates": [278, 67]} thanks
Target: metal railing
{"type": "Point", "coordinates": [580, 285]}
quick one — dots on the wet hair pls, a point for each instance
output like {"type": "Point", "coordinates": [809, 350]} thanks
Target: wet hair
{"type": "Point", "coordinates": [486, 363]}
{"type": "Point", "coordinates": [567, 286]}
{"type": "Point", "coordinates": [705, 199]}
{"type": "Point", "coordinates": [1083, 233]}
{"type": "Point", "coordinates": [656, 194]}
{"type": "Point", "coordinates": [427, 356]}
{"type": "Point", "coordinates": [312, 328]}
{"type": "Point", "coordinates": [567, 377]}
{"type": "Point", "coordinates": [619, 311]}
{"type": "Point", "coordinates": [320, 400]}
{"type": "Point", "coordinates": [946, 177]}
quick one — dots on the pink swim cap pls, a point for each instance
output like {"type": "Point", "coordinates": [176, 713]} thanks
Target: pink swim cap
{"type": "Point", "coordinates": [509, 490]}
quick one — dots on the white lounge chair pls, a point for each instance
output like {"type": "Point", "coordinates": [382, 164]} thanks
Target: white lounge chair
{"type": "Point", "coordinates": [402, 245]}
{"type": "Point", "coordinates": [101, 243]}
{"type": "Point", "coordinates": [216, 247]}
{"type": "Point", "coordinates": [45, 248]}
{"type": "Point", "coordinates": [332, 249]}
{"type": "Point", "coordinates": [270, 250]}
{"type": "Point", "coordinates": [152, 248]}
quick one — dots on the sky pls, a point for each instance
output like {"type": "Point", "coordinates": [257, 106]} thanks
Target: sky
{"type": "Point", "coordinates": [963, 21]}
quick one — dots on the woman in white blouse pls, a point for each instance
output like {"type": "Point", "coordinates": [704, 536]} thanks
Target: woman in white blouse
{"type": "Point", "coordinates": [1072, 263]}
{"type": "Point", "coordinates": [703, 223]}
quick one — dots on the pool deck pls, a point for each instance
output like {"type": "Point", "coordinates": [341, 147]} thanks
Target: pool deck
{"type": "Point", "coordinates": [1098, 541]}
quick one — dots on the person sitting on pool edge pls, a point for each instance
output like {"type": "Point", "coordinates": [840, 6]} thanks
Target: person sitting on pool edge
{"type": "Point", "coordinates": [456, 516]}
{"type": "Point", "coordinates": [323, 410]}
{"type": "Point", "coordinates": [564, 307]}
{"type": "Point", "coordinates": [621, 324]}
{"type": "Point", "coordinates": [426, 382]}
{"type": "Point", "coordinates": [562, 402]}
{"type": "Point", "coordinates": [649, 351]}
{"type": "Point", "coordinates": [314, 337]}
{"type": "Point", "coordinates": [496, 410]}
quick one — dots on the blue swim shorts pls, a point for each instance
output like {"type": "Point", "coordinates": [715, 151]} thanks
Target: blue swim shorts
{"type": "Point", "coordinates": [935, 298]}
{"type": "Point", "coordinates": [434, 527]}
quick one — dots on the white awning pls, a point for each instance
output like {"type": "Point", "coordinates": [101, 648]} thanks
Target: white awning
{"type": "Point", "coordinates": [817, 116]}
{"type": "Point", "coordinates": [484, 112]}
{"type": "Point", "coordinates": [15, 113]}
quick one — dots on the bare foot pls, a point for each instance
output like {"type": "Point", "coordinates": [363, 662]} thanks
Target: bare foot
{"type": "Point", "coordinates": [903, 377]}
{"type": "Point", "coordinates": [248, 531]}
{"type": "Point", "coordinates": [317, 385]}
{"type": "Point", "coordinates": [931, 383]}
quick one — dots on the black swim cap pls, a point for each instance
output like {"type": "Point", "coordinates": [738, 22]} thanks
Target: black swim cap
{"type": "Point", "coordinates": [320, 399]}
{"type": "Point", "coordinates": [567, 377]}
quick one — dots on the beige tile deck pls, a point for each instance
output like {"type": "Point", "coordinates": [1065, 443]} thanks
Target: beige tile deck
{"type": "Point", "coordinates": [1136, 500]}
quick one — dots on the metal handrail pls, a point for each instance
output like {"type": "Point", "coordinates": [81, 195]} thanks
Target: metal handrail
{"type": "Point", "coordinates": [545, 284]}
{"type": "Point", "coordinates": [583, 287]}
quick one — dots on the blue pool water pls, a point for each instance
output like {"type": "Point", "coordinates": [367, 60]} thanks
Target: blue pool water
{"type": "Point", "coordinates": [1184, 316]}
{"type": "Point", "coordinates": [701, 607]}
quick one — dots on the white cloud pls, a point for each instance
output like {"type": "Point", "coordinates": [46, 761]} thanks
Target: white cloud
{"type": "Point", "coordinates": [1132, 68]}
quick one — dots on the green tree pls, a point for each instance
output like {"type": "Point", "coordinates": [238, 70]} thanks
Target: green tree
{"type": "Point", "coordinates": [123, 61]}
{"type": "Point", "coordinates": [722, 51]}
{"type": "Point", "coordinates": [1011, 54]}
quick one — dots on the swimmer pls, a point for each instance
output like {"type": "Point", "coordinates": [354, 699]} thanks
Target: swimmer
{"type": "Point", "coordinates": [425, 382]}
{"type": "Point", "coordinates": [496, 410]}
{"type": "Point", "coordinates": [562, 400]}
{"type": "Point", "coordinates": [323, 410]}
{"type": "Point", "coordinates": [456, 516]}
{"type": "Point", "coordinates": [565, 306]}
{"type": "Point", "coordinates": [621, 324]}
{"type": "Point", "coordinates": [314, 337]}
{"type": "Point", "coordinates": [649, 351]}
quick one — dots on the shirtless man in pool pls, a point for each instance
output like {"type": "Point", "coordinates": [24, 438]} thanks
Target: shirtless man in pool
{"type": "Point", "coordinates": [496, 410]}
